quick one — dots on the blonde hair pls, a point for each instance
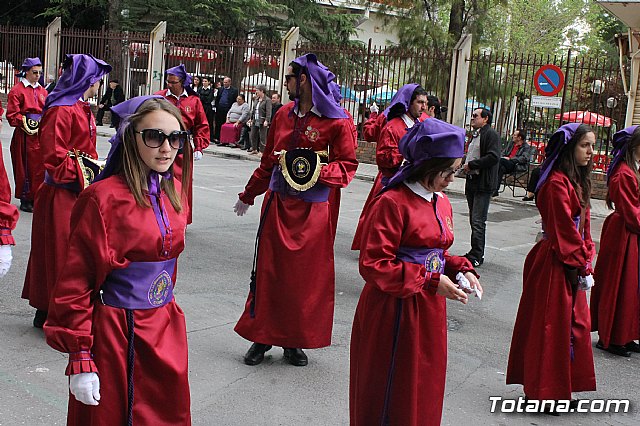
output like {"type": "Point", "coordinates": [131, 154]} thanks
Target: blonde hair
{"type": "Point", "coordinates": [134, 170]}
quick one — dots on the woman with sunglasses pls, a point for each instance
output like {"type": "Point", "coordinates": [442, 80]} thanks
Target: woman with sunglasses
{"type": "Point", "coordinates": [67, 132]}
{"type": "Point", "coordinates": [551, 353]}
{"type": "Point", "coordinates": [615, 300]}
{"type": "Point", "coordinates": [113, 308]}
{"type": "Point", "coordinates": [399, 336]}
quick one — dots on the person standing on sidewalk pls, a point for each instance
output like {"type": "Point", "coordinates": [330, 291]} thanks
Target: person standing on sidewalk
{"type": "Point", "coordinates": [24, 110]}
{"type": "Point", "coordinates": [8, 216]}
{"type": "Point", "coordinates": [291, 298]}
{"type": "Point", "coordinates": [225, 97]}
{"type": "Point", "coordinates": [259, 122]}
{"type": "Point", "coordinates": [112, 308]}
{"type": "Point", "coordinates": [551, 353]}
{"type": "Point", "coordinates": [188, 102]}
{"type": "Point", "coordinates": [615, 299]}
{"type": "Point", "coordinates": [481, 167]}
{"type": "Point", "coordinates": [112, 97]}
{"type": "Point", "coordinates": [68, 134]}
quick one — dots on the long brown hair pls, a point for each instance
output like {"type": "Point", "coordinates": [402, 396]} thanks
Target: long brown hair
{"type": "Point", "coordinates": [133, 168]}
{"type": "Point", "coordinates": [579, 176]}
{"type": "Point", "coordinates": [630, 159]}
{"type": "Point", "coordinates": [430, 169]}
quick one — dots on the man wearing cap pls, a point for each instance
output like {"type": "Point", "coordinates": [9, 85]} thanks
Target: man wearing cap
{"type": "Point", "coordinates": [24, 109]}
{"type": "Point", "coordinates": [291, 300]}
{"type": "Point", "coordinates": [481, 167]}
{"type": "Point", "coordinates": [406, 108]}
{"type": "Point", "coordinates": [68, 136]}
{"type": "Point", "coordinates": [181, 94]}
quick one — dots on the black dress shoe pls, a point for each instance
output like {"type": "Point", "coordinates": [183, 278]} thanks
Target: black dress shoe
{"type": "Point", "coordinates": [26, 206]}
{"type": "Point", "coordinates": [527, 198]}
{"type": "Point", "coordinates": [614, 349]}
{"type": "Point", "coordinates": [40, 318]}
{"type": "Point", "coordinates": [255, 354]}
{"type": "Point", "coordinates": [296, 356]}
{"type": "Point", "coordinates": [633, 347]}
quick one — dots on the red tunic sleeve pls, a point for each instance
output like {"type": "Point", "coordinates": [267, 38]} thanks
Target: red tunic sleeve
{"type": "Point", "coordinates": [558, 204]}
{"type": "Point", "coordinates": [69, 322]}
{"type": "Point", "coordinates": [259, 180]}
{"type": "Point", "coordinates": [14, 101]}
{"type": "Point", "coordinates": [8, 212]}
{"type": "Point", "coordinates": [342, 156]}
{"type": "Point", "coordinates": [379, 265]}
{"type": "Point", "coordinates": [624, 192]}
{"type": "Point", "coordinates": [57, 135]}
{"type": "Point", "coordinates": [200, 127]}
{"type": "Point", "coordinates": [373, 126]}
{"type": "Point", "coordinates": [388, 155]}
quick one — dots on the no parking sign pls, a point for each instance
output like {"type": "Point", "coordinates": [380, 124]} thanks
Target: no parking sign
{"type": "Point", "coordinates": [548, 80]}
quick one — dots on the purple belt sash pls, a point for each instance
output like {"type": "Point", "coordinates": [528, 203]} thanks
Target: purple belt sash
{"type": "Point", "coordinates": [317, 194]}
{"type": "Point", "coordinates": [576, 221]}
{"type": "Point", "coordinates": [431, 258]}
{"type": "Point", "coordinates": [34, 117]}
{"type": "Point", "coordinates": [73, 186]}
{"type": "Point", "coordinates": [141, 285]}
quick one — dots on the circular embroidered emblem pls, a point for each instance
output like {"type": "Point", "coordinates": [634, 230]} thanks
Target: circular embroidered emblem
{"type": "Point", "coordinates": [432, 262]}
{"type": "Point", "coordinates": [88, 174]}
{"type": "Point", "coordinates": [300, 167]}
{"type": "Point", "coordinates": [449, 224]}
{"type": "Point", "coordinates": [159, 289]}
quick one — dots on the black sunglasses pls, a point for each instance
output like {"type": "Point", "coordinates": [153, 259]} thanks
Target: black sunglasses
{"type": "Point", "coordinates": [154, 138]}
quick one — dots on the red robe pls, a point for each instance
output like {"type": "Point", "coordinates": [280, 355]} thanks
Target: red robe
{"type": "Point", "coordinates": [373, 126]}
{"type": "Point", "coordinates": [195, 120]}
{"type": "Point", "coordinates": [8, 212]}
{"type": "Point", "coordinates": [615, 304]}
{"type": "Point", "coordinates": [109, 231]}
{"type": "Point", "coordinates": [26, 158]}
{"type": "Point", "coordinates": [295, 271]}
{"type": "Point", "coordinates": [540, 356]}
{"type": "Point", "coordinates": [62, 129]}
{"type": "Point", "coordinates": [397, 218]}
{"type": "Point", "coordinates": [389, 159]}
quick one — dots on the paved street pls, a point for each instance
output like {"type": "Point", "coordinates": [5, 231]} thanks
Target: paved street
{"type": "Point", "coordinates": [212, 286]}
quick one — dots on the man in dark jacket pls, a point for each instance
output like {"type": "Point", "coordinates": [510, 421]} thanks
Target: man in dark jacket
{"type": "Point", "coordinates": [481, 167]}
{"type": "Point", "coordinates": [112, 97]}
{"type": "Point", "coordinates": [515, 157]}
{"type": "Point", "coordinates": [275, 105]}
{"type": "Point", "coordinates": [225, 97]}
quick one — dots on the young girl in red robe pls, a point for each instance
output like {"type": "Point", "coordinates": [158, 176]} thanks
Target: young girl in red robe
{"type": "Point", "coordinates": [615, 303]}
{"type": "Point", "coordinates": [399, 336]}
{"type": "Point", "coordinates": [112, 308]}
{"type": "Point", "coordinates": [551, 353]}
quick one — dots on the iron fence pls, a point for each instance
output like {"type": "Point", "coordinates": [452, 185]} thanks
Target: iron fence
{"type": "Point", "coordinates": [504, 84]}
{"type": "Point", "coordinates": [17, 43]}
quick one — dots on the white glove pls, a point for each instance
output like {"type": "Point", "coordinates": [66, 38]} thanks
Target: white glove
{"type": "Point", "coordinates": [585, 283]}
{"type": "Point", "coordinates": [5, 259]}
{"type": "Point", "coordinates": [85, 387]}
{"type": "Point", "coordinates": [374, 107]}
{"type": "Point", "coordinates": [240, 208]}
{"type": "Point", "coordinates": [197, 155]}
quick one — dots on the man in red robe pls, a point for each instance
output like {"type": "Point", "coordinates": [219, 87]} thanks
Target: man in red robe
{"type": "Point", "coordinates": [406, 108]}
{"type": "Point", "coordinates": [24, 109]}
{"type": "Point", "coordinates": [291, 301]}
{"type": "Point", "coordinates": [195, 120]}
{"type": "Point", "coordinates": [8, 217]}
{"type": "Point", "coordinates": [67, 128]}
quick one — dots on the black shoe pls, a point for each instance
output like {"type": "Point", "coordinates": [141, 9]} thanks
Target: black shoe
{"type": "Point", "coordinates": [475, 262]}
{"type": "Point", "coordinates": [26, 206]}
{"type": "Point", "coordinates": [40, 318]}
{"type": "Point", "coordinates": [296, 357]}
{"type": "Point", "coordinates": [112, 127]}
{"type": "Point", "coordinates": [255, 354]}
{"type": "Point", "coordinates": [525, 198]}
{"type": "Point", "coordinates": [495, 194]}
{"type": "Point", "coordinates": [573, 404]}
{"type": "Point", "coordinates": [633, 347]}
{"type": "Point", "coordinates": [614, 349]}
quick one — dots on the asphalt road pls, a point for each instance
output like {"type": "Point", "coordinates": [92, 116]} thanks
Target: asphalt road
{"type": "Point", "coordinates": [212, 287]}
